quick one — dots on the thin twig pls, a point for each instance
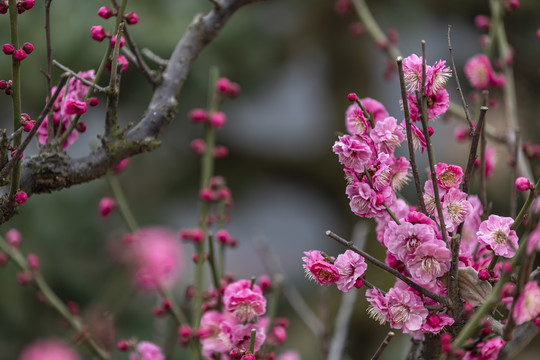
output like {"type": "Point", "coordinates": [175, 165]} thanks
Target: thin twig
{"type": "Point", "coordinates": [154, 57]}
{"type": "Point", "coordinates": [380, 264]}
{"type": "Point", "coordinates": [383, 345]}
{"type": "Point", "coordinates": [513, 174]}
{"type": "Point", "coordinates": [474, 149]}
{"type": "Point", "coordinates": [410, 144]}
{"type": "Point", "coordinates": [458, 85]}
{"type": "Point", "coordinates": [80, 78]}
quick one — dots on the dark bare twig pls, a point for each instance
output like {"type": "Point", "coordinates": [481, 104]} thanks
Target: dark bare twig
{"type": "Point", "coordinates": [412, 157]}
{"type": "Point", "coordinates": [458, 85]}
{"type": "Point", "coordinates": [383, 345]}
{"type": "Point", "coordinates": [80, 78]}
{"type": "Point", "coordinates": [440, 299]}
{"type": "Point", "coordinates": [474, 149]}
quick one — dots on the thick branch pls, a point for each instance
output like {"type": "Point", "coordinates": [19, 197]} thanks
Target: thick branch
{"type": "Point", "coordinates": [54, 171]}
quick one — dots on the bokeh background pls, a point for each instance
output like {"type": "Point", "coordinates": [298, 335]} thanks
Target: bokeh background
{"type": "Point", "coordinates": [295, 61]}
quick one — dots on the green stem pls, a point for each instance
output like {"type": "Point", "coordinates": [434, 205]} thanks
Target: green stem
{"type": "Point", "coordinates": [118, 194]}
{"type": "Point", "coordinates": [252, 341]}
{"type": "Point", "coordinates": [53, 299]}
{"type": "Point", "coordinates": [16, 95]}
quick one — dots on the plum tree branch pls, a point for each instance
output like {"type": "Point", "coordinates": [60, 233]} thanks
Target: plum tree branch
{"type": "Point", "coordinates": [53, 171]}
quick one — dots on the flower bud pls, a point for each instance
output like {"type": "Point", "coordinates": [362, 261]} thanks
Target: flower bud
{"type": "Point", "coordinates": [97, 33]}
{"type": "Point", "coordinates": [197, 115]}
{"type": "Point", "coordinates": [105, 12]}
{"type": "Point", "coordinates": [19, 55]}
{"type": "Point", "coordinates": [80, 127]}
{"type": "Point", "coordinates": [217, 119]}
{"type": "Point", "coordinates": [523, 184]}
{"type": "Point", "coordinates": [21, 197]}
{"type": "Point", "coordinates": [106, 206]}
{"type": "Point", "coordinates": [13, 237]}
{"type": "Point", "coordinates": [33, 261]}
{"type": "Point", "coordinates": [28, 48]}
{"type": "Point", "coordinates": [131, 18]}
{"type": "Point", "coordinates": [93, 101]}
{"type": "Point", "coordinates": [198, 146]}
{"type": "Point", "coordinates": [8, 49]}
{"type": "Point", "coordinates": [113, 41]}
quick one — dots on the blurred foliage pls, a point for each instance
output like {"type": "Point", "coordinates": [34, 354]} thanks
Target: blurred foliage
{"type": "Point", "coordinates": [253, 50]}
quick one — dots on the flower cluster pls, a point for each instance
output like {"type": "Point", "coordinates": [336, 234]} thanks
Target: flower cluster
{"type": "Point", "coordinates": [70, 103]}
{"type": "Point", "coordinates": [229, 331]}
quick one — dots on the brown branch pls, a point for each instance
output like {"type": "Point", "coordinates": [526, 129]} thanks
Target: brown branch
{"type": "Point", "coordinates": [49, 172]}
{"type": "Point", "coordinates": [440, 299]}
{"type": "Point", "coordinates": [412, 157]}
{"type": "Point", "coordinates": [458, 85]}
{"type": "Point", "coordinates": [383, 345]}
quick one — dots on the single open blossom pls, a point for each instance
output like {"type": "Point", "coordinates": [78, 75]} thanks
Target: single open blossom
{"type": "Point", "coordinates": [355, 121]}
{"type": "Point", "coordinates": [406, 310]}
{"type": "Point", "coordinates": [378, 309]}
{"type": "Point", "coordinates": [387, 134]}
{"type": "Point", "coordinates": [528, 303]}
{"type": "Point", "coordinates": [480, 74]}
{"type": "Point", "coordinates": [366, 202]}
{"type": "Point", "coordinates": [157, 257]}
{"type": "Point", "coordinates": [238, 336]}
{"type": "Point", "coordinates": [318, 268]}
{"type": "Point", "coordinates": [496, 233]}
{"type": "Point", "coordinates": [404, 239]}
{"type": "Point", "coordinates": [490, 349]}
{"type": "Point", "coordinates": [353, 152]}
{"type": "Point", "coordinates": [351, 266]}
{"type": "Point", "coordinates": [209, 333]}
{"type": "Point", "coordinates": [448, 176]}
{"type": "Point", "coordinates": [244, 302]}
{"type": "Point", "coordinates": [436, 322]}
{"type": "Point", "coordinates": [399, 173]}
{"type": "Point", "coordinates": [48, 349]}
{"type": "Point", "coordinates": [430, 261]}
{"type": "Point", "coordinates": [455, 208]}
{"type": "Point", "coordinates": [436, 75]}
{"type": "Point", "coordinates": [145, 350]}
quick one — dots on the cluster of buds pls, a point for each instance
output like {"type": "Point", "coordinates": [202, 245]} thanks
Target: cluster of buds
{"type": "Point", "coordinates": [105, 12]}
{"type": "Point", "coordinates": [22, 6]}
{"type": "Point", "coordinates": [6, 86]}
{"type": "Point", "coordinates": [223, 237]}
{"type": "Point", "coordinates": [163, 308]}
{"type": "Point", "coordinates": [216, 119]}
{"type": "Point", "coordinates": [98, 32]}
{"type": "Point", "coordinates": [198, 146]}
{"type": "Point", "coordinates": [26, 122]}
{"type": "Point", "coordinates": [227, 87]}
{"type": "Point", "coordinates": [216, 192]}
{"type": "Point", "coordinates": [18, 54]}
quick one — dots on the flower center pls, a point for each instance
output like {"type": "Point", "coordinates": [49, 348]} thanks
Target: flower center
{"type": "Point", "coordinates": [500, 237]}
{"type": "Point", "coordinates": [430, 265]}
{"type": "Point", "coordinates": [400, 313]}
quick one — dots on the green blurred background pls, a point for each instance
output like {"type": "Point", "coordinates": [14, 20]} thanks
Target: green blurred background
{"type": "Point", "coordinates": [295, 61]}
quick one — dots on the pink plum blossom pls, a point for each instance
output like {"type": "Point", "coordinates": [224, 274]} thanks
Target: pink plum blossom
{"type": "Point", "coordinates": [351, 266]}
{"type": "Point", "coordinates": [145, 350]}
{"type": "Point", "coordinates": [430, 261]}
{"type": "Point", "coordinates": [403, 240]}
{"type": "Point", "coordinates": [528, 303]}
{"type": "Point", "coordinates": [387, 134]}
{"type": "Point", "coordinates": [157, 257]}
{"type": "Point", "coordinates": [378, 309]}
{"type": "Point", "coordinates": [365, 202]}
{"type": "Point", "coordinates": [289, 355]}
{"type": "Point", "coordinates": [406, 310]}
{"type": "Point", "coordinates": [48, 349]}
{"type": "Point", "coordinates": [480, 74]}
{"type": "Point", "coordinates": [448, 176]}
{"type": "Point", "coordinates": [244, 302]}
{"type": "Point", "coordinates": [436, 322]}
{"type": "Point", "coordinates": [355, 121]}
{"type": "Point", "coordinates": [353, 152]}
{"type": "Point", "coordinates": [496, 233]}
{"type": "Point", "coordinates": [399, 173]}
{"type": "Point", "coordinates": [418, 138]}
{"type": "Point", "coordinates": [210, 333]}
{"type": "Point", "coordinates": [436, 75]}
{"type": "Point", "coordinates": [533, 242]}
{"type": "Point", "coordinates": [238, 336]}
{"type": "Point", "coordinates": [318, 268]}
{"type": "Point", "coordinates": [491, 348]}
{"type": "Point", "coordinates": [455, 208]}
{"type": "Point", "coordinates": [375, 107]}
